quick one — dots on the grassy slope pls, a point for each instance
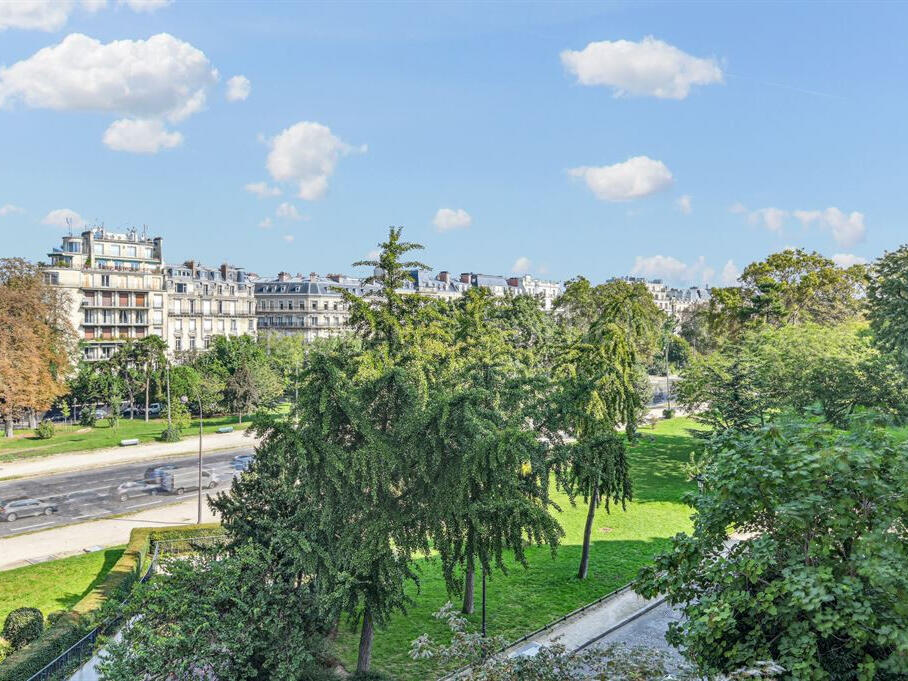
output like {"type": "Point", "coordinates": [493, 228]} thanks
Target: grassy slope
{"type": "Point", "coordinates": [55, 585]}
{"type": "Point", "coordinates": [68, 439]}
{"type": "Point", "coordinates": [527, 599]}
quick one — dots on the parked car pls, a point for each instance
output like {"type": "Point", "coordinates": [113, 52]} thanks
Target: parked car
{"type": "Point", "coordinates": [24, 507]}
{"type": "Point", "coordinates": [54, 415]}
{"type": "Point", "coordinates": [130, 410]}
{"type": "Point", "coordinates": [242, 462]}
{"type": "Point", "coordinates": [136, 488]}
{"type": "Point", "coordinates": [155, 473]}
{"type": "Point", "coordinates": [154, 409]}
{"type": "Point", "coordinates": [180, 480]}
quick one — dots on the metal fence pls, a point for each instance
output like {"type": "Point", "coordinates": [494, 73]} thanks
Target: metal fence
{"type": "Point", "coordinates": [79, 652]}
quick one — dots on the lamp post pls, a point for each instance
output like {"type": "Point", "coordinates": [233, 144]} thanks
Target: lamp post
{"type": "Point", "coordinates": [185, 400]}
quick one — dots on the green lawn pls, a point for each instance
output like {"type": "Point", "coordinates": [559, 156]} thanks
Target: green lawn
{"type": "Point", "coordinates": [77, 438]}
{"type": "Point", "coordinates": [527, 599]}
{"type": "Point", "coordinates": [55, 585]}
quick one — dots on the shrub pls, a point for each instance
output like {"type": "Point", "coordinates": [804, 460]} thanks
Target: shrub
{"type": "Point", "coordinates": [87, 418]}
{"type": "Point", "coordinates": [45, 430]}
{"type": "Point", "coordinates": [22, 626]}
{"type": "Point", "coordinates": [171, 434]}
{"type": "Point", "coordinates": [668, 413]}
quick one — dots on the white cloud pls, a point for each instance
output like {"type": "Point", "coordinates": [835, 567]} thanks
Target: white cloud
{"type": "Point", "coordinates": [847, 230]}
{"type": "Point", "coordinates": [684, 204]}
{"type": "Point", "coordinates": [374, 254]}
{"type": "Point", "coordinates": [238, 88]}
{"type": "Point", "coordinates": [162, 78]}
{"type": "Point", "coordinates": [39, 15]}
{"type": "Point", "coordinates": [288, 211]}
{"type": "Point", "coordinates": [522, 265]}
{"type": "Point", "coordinates": [266, 223]}
{"type": "Point", "coordinates": [145, 5]}
{"type": "Point", "coordinates": [730, 273]}
{"type": "Point", "coordinates": [262, 189]}
{"type": "Point", "coordinates": [447, 219]}
{"type": "Point", "coordinates": [737, 208]}
{"type": "Point", "coordinates": [9, 209]}
{"type": "Point", "coordinates": [651, 67]}
{"type": "Point", "coordinates": [848, 259]}
{"type": "Point", "coordinates": [672, 269]}
{"type": "Point", "coordinates": [306, 154]}
{"type": "Point", "coordinates": [140, 136]}
{"type": "Point", "coordinates": [58, 218]}
{"type": "Point", "coordinates": [635, 178]}
{"type": "Point", "coordinates": [772, 219]}
{"type": "Point", "coordinates": [52, 15]}
{"type": "Point", "coordinates": [288, 238]}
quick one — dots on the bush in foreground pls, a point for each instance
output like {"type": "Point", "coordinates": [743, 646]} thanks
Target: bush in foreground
{"type": "Point", "coordinates": [45, 430]}
{"type": "Point", "coordinates": [818, 581]}
{"type": "Point", "coordinates": [22, 626]}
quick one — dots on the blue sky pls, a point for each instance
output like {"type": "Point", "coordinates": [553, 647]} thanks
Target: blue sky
{"type": "Point", "coordinates": [783, 124]}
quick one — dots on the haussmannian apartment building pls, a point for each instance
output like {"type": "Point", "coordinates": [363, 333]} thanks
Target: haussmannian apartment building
{"type": "Point", "coordinates": [119, 287]}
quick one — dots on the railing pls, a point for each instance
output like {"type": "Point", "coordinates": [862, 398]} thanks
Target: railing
{"type": "Point", "coordinates": [84, 648]}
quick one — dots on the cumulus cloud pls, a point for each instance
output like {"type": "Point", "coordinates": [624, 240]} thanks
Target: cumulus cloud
{"type": "Point", "coordinates": [730, 274]}
{"type": "Point", "coordinates": [289, 238]}
{"type": "Point", "coordinates": [238, 88]}
{"type": "Point", "coordinates": [60, 216]}
{"type": "Point", "coordinates": [140, 136]}
{"type": "Point", "coordinates": [266, 223]}
{"type": "Point", "coordinates": [848, 259]}
{"type": "Point", "coordinates": [771, 218]}
{"type": "Point", "coordinates": [684, 204]}
{"type": "Point", "coordinates": [9, 209]}
{"type": "Point", "coordinates": [846, 229]}
{"type": "Point", "coordinates": [159, 79]}
{"type": "Point", "coordinates": [522, 265]}
{"type": "Point", "coordinates": [288, 211]}
{"type": "Point", "coordinates": [447, 219]}
{"type": "Point", "coordinates": [262, 189]}
{"type": "Point", "coordinates": [306, 154]}
{"type": "Point", "coordinates": [650, 67]}
{"type": "Point", "coordinates": [145, 5]}
{"type": "Point", "coordinates": [634, 178]}
{"type": "Point", "coordinates": [670, 268]}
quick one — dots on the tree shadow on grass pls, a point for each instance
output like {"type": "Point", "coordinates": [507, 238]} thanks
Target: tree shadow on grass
{"type": "Point", "coordinates": [111, 556]}
{"type": "Point", "coordinates": [658, 466]}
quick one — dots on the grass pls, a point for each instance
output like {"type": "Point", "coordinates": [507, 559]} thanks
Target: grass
{"type": "Point", "coordinates": [25, 444]}
{"type": "Point", "coordinates": [524, 600]}
{"type": "Point", "coordinates": [54, 585]}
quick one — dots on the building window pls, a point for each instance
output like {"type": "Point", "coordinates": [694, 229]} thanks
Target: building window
{"type": "Point", "coordinates": [181, 288]}
{"type": "Point", "coordinates": [178, 344]}
{"type": "Point", "coordinates": [105, 280]}
{"type": "Point", "coordinates": [51, 278]}
{"type": "Point", "coordinates": [207, 342]}
{"type": "Point", "coordinates": [192, 343]}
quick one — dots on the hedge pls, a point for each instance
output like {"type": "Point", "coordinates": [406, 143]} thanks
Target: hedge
{"type": "Point", "coordinates": [70, 627]}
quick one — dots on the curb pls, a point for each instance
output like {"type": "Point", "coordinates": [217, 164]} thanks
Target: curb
{"type": "Point", "coordinates": [623, 623]}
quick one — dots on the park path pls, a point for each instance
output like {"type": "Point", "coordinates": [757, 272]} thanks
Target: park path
{"type": "Point", "coordinates": [98, 458]}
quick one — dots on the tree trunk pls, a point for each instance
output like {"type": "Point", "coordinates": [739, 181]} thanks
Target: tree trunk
{"type": "Point", "coordinates": [32, 419]}
{"type": "Point", "coordinates": [468, 588]}
{"type": "Point", "coordinates": [365, 643]}
{"type": "Point", "coordinates": [587, 531]}
{"type": "Point", "coordinates": [8, 425]}
{"type": "Point", "coordinates": [147, 388]}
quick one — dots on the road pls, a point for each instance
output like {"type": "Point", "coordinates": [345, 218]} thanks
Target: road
{"type": "Point", "coordinates": [86, 495]}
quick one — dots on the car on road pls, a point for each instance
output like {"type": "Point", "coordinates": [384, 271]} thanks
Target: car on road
{"type": "Point", "coordinates": [180, 480]}
{"type": "Point", "coordinates": [24, 507]}
{"type": "Point", "coordinates": [136, 488]}
{"type": "Point", "coordinates": [242, 462]}
{"type": "Point", "coordinates": [154, 409]}
{"type": "Point", "coordinates": [155, 473]}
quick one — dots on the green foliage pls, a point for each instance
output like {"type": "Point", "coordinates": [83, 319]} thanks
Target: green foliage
{"type": "Point", "coordinates": [235, 616]}
{"type": "Point", "coordinates": [790, 287]}
{"type": "Point", "coordinates": [45, 430]}
{"type": "Point", "coordinates": [887, 299]}
{"type": "Point", "coordinates": [817, 579]}
{"type": "Point", "coordinates": [668, 413]}
{"type": "Point", "coordinates": [87, 417]}
{"type": "Point", "coordinates": [170, 434]}
{"type": "Point", "coordinates": [22, 626]}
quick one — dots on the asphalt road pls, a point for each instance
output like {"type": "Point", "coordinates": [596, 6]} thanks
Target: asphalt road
{"type": "Point", "coordinates": [90, 494]}
{"type": "Point", "coordinates": [648, 631]}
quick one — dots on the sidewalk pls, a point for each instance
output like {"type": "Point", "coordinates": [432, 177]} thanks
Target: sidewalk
{"type": "Point", "coordinates": [70, 540]}
{"type": "Point", "coordinates": [98, 458]}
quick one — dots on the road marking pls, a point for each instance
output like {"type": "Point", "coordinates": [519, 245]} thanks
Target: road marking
{"type": "Point", "coordinates": [31, 527]}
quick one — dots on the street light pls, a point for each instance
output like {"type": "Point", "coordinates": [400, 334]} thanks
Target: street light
{"type": "Point", "coordinates": [185, 400]}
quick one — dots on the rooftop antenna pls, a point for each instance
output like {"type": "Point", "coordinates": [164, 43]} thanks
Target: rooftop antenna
{"type": "Point", "coordinates": [69, 225]}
